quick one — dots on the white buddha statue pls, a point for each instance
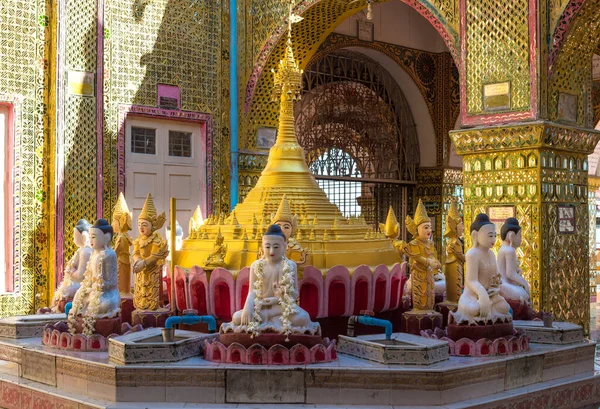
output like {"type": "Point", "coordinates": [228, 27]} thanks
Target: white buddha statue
{"type": "Point", "coordinates": [514, 286]}
{"type": "Point", "coordinates": [271, 305]}
{"type": "Point", "coordinates": [481, 302]}
{"type": "Point", "coordinates": [98, 297]}
{"type": "Point", "coordinates": [75, 267]}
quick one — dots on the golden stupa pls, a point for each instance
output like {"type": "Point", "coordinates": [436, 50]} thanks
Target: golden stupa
{"type": "Point", "coordinates": [329, 238]}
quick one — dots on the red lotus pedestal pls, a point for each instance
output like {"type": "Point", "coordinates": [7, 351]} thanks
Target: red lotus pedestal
{"type": "Point", "coordinates": [445, 308]}
{"type": "Point", "coordinates": [269, 349]}
{"type": "Point", "coordinates": [522, 311]}
{"type": "Point", "coordinates": [413, 322]}
{"type": "Point", "coordinates": [104, 326]}
{"type": "Point", "coordinates": [150, 319]}
{"type": "Point", "coordinates": [476, 332]}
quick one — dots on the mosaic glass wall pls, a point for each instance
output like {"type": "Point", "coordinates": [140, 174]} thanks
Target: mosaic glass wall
{"type": "Point", "coordinates": [487, 24]}
{"type": "Point", "coordinates": [24, 84]}
{"type": "Point", "coordinates": [177, 42]}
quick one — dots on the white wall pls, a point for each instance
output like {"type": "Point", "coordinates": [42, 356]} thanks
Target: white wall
{"type": "Point", "coordinates": [397, 23]}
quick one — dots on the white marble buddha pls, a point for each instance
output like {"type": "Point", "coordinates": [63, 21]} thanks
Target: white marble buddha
{"type": "Point", "coordinates": [481, 302]}
{"type": "Point", "coordinates": [514, 286]}
{"type": "Point", "coordinates": [98, 297]}
{"type": "Point", "coordinates": [271, 305]}
{"type": "Point", "coordinates": [75, 268]}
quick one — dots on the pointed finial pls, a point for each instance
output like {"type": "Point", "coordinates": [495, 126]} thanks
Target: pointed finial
{"type": "Point", "coordinates": [245, 235]}
{"type": "Point", "coordinates": [233, 221]}
{"type": "Point", "coordinates": [312, 235]}
{"type": "Point", "coordinates": [254, 220]}
{"type": "Point", "coordinates": [391, 228]}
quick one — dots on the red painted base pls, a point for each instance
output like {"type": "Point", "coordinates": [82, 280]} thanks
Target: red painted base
{"type": "Point", "coordinates": [444, 308]}
{"type": "Point", "coordinates": [127, 309]}
{"type": "Point", "coordinates": [522, 311]}
{"type": "Point", "coordinates": [268, 340]}
{"type": "Point", "coordinates": [475, 332]}
{"type": "Point", "coordinates": [276, 354]}
{"type": "Point", "coordinates": [104, 326]}
{"type": "Point", "coordinates": [58, 336]}
{"type": "Point", "coordinates": [414, 322]}
{"type": "Point", "coordinates": [150, 319]}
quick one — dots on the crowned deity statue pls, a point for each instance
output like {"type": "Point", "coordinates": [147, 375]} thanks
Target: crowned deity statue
{"type": "Point", "coordinates": [217, 257]}
{"type": "Point", "coordinates": [121, 222]}
{"type": "Point", "coordinates": [481, 302]}
{"type": "Point", "coordinates": [98, 296]}
{"type": "Point", "coordinates": [422, 259]}
{"type": "Point", "coordinates": [75, 269]}
{"type": "Point", "coordinates": [289, 224]}
{"type": "Point", "coordinates": [149, 253]}
{"type": "Point", "coordinates": [455, 256]}
{"type": "Point", "coordinates": [514, 286]}
{"type": "Point", "coordinates": [271, 305]}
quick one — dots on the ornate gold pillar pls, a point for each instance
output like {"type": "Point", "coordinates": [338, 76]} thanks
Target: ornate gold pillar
{"type": "Point", "coordinates": [537, 171]}
{"type": "Point", "coordinates": [593, 186]}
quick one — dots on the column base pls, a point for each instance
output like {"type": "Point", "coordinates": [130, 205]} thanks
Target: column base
{"type": "Point", "coordinates": [444, 308]}
{"type": "Point", "coordinates": [150, 319]}
{"type": "Point", "coordinates": [127, 309]}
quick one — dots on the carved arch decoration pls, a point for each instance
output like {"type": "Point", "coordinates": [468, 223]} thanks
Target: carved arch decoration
{"type": "Point", "coordinates": [570, 67]}
{"type": "Point", "coordinates": [322, 16]}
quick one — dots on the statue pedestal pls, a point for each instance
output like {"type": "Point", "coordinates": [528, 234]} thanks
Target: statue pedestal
{"type": "Point", "coordinates": [270, 349]}
{"type": "Point", "coordinates": [445, 308]}
{"type": "Point", "coordinates": [476, 332]}
{"type": "Point", "coordinates": [522, 311]}
{"type": "Point", "coordinates": [104, 326]}
{"type": "Point", "coordinates": [127, 308]}
{"type": "Point", "coordinates": [150, 319]}
{"type": "Point", "coordinates": [413, 322]}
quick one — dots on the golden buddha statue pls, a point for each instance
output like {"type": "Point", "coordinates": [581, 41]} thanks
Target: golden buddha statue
{"type": "Point", "coordinates": [149, 254]}
{"type": "Point", "coordinates": [289, 224]}
{"type": "Point", "coordinates": [121, 223]}
{"type": "Point", "coordinates": [455, 257]}
{"type": "Point", "coordinates": [422, 260]}
{"type": "Point", "coordinates": [217, 257]}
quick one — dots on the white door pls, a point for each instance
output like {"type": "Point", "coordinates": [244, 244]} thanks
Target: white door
{"type": "Point", "coordinates": [167, 159]}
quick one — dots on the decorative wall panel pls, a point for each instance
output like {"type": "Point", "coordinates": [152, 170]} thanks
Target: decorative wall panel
{"type": "Point", "coordinates": [494, 41]}
{"type": "Point", "coordinates": [24, 75]}
{"type": "Point", "coordinates": [570, 73]}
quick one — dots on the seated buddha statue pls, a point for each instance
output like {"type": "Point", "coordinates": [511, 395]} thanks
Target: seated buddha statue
{"type": "Point", "coordinates": [289, 223]}
{"type": "Point", "coordinates": [98, 297]}
{"type": "Point", "coordinates": [514, 286]}
{"type": "Point", "coordinates": [271, 305]}
{"type": "Point", "coordinates": [422, 260]}
{"type": "Point", "coordinates": [75, 269]}
{"type": "Point", "coordinates": [217, 257]}
{"type": "Point", "coordinates": [481, 302]}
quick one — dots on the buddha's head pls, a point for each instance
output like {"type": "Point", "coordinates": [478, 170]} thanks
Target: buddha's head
{"type": "Point", "coordinates": [483, 231]}
{"type": "Point", "coordinates": [511, 232]}
{"type": "Point", "coordinates": [274, 244]}
{"type": "Point", "coordinates": [101, 234]}
{"type": "Point", "coordinates": [81, 233]}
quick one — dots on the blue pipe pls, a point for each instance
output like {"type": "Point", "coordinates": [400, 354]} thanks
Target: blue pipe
{"type": "Point", "coordinates": [191, 319]}
{"type": "Point", "coordinates": [367, 320]}
{"type": "Point", "coordinates": [68, 307]}
{"type": "Point", "coordinates": [233, 105]}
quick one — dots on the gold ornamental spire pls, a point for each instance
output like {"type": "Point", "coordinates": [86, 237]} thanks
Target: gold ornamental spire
{"type": "Point", "coordinates": [452, 220]}
{"type": "Point", "coordinates": [420, 217]}
{"type": "Point", "coordinates": [391, 228]}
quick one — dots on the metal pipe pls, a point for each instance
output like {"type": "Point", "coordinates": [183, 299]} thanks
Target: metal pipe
{"type": "Point", "coordinates": [366, 320]}
{"type": "Point", "coordinates": [191, 319]}
{"type": "Point", "coordinates": [68, 307]}
{"type": "Point", "coordinates": [172, 249]}
{"type": "Point", "coordinates": [233, 105]}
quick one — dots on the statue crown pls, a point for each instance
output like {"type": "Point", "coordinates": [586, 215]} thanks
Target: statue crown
{"type": "Point", "coordinates": [420, 218]}
{"type": "Point", "coordinates": [452, 220]}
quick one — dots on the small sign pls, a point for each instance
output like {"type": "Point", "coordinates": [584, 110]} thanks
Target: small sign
{"type": "Point", "coordinates": [567, 107]}
{"type": "Point", "coordinates": [566, 219]}
{"type": "Point", "coordinates": [169, 96]}
{"type": "Point", "coordinates": [499, 214]}
{"type": "Point", "coordinates": [265, 137]}
{"type": "Point", "coordinates": [496, 97]}
{"type": "Point", "coordinates": [365, 30]}
{"type": "Point", "coordinates": [81, 83]}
